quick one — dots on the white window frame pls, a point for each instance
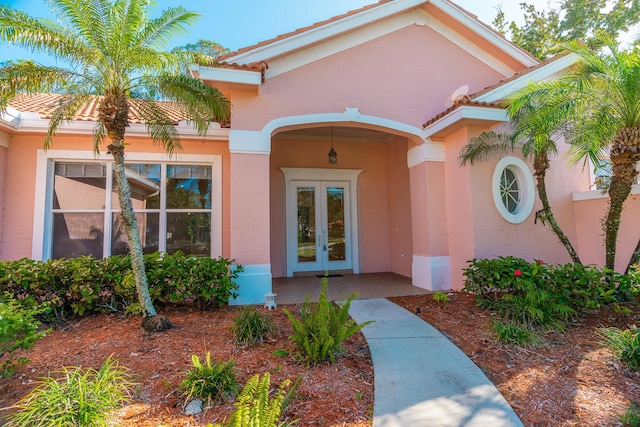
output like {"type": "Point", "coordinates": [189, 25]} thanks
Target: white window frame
{"type": "Point", "coordinates": [527, 189]}
{"type": "Point", "coordinates": [45, 159]}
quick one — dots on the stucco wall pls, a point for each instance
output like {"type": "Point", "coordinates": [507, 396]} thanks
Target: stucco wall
{"type": "Point", "coordinates": [20, 184]}
{"type": "Point", "coordinates": [589, 215]}
{"type": "Point", "coordinates": [384, 171]}
{"type": "Point", "coordinates": [3, 171]}
{"type": "Point", "coordinates": [476, 228]}
{"type": "Point", "coordinates": [408, 76]}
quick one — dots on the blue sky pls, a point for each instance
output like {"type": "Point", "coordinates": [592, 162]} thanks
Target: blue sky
{"type": "Point", "coordinates": [239, 23]}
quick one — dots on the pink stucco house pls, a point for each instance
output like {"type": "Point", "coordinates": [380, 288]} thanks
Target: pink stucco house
{"type": "Point", "coordinates": [395, 89]}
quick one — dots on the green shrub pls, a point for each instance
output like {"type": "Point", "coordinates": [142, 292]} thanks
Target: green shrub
{"type": "Point", "coordinates": [323, 326]}
{"type": "Point", "coordinates": [77, 398]}
{"type": "Point", "coordinates": [84, 285]}
{"type": "Point", "coordinates": [537, 294]}
{"type": "Point", "coordinates": [631, 417]}
{"type": "Point", "coordinates": [251, 326]}
{"type": "Point", "coordinates": [208, 380]}
{"type": "Point", "coordinates": [18, 330]}
{"type": "Point", "coordinates": [440, 296]}
{"type": "Point", "coordinates": [255, 408]}
{"type": "Point", "coordinates": [625, 343]}
{"type": "Point", "coordinates": [514, 334]}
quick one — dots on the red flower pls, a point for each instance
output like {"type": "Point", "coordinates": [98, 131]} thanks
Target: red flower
{"type": "Point", "coordinates": [517, 273]}
{"type": "Point", "coordinates": [539, 261]}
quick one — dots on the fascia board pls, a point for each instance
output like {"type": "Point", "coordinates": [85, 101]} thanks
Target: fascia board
{"type": "Point", "coordinates": [545, 72]}
{"type": "Point", "coordinates": [479, 28]}
{"type": "Point", "coordinates": [228, 75]}
{"type": "Point", "coordinates": [467, 112]}
{"type": "Point", "coordinates": [83, 127]}
{"type": "Point", "coordinates": [331, 29]}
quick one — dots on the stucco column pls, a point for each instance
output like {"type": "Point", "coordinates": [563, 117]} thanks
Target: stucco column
{"type": "Point", "coordinates": [430, 263]}
{"type": "Point", "coordinates": [250, 238]}
{"type": "Point", "coordinates": [4, 148]}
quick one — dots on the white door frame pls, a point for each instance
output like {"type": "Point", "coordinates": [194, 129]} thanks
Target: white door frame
{"type": "Point", "coordinates": [327, 175]}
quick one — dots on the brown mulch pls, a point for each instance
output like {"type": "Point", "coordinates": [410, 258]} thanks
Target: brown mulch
{"type": "Point", "coordinates": [573, 381]}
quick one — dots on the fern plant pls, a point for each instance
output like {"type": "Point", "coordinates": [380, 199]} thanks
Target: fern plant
{"type": "Point", "coordinates": [250, 326]}
{"type": "Point", "coordinates": [254, 407]}
{"type": "Point", "coordinates": [323, 326]}
{"type": "Point", "coordinates": [208, 380]}
{"type": "Point", "coordinates": [625, 343]}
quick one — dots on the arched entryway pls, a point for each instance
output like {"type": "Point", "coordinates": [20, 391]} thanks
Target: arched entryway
{"type": "Point", "coordinates": [353, 216]}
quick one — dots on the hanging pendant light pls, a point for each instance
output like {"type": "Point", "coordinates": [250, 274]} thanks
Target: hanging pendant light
{"type": "Point", "coordinates": [333, 156]}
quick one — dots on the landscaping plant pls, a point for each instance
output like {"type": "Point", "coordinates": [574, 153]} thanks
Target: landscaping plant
{"type": "Point", "coordinates": [18, 330]}
{"type": "Point", "coordinates": [254, 406]}
{"type": "Point", "coordinates": [631, 417]}
{"type": "Point", "coordinates": [323, 326]}
{"type": "Point", "coordinates": [251, 326]}
{"type": "Point", "coordinates": [515, 334]}
{"type": "Point", "coordinates": [78, 397]}
{"type": "Point", "coordinates": [625, 343]}
{"type": "Point", "coordinates": [208, 380]}
{"type": "Point", "coordinates": [440, 296]}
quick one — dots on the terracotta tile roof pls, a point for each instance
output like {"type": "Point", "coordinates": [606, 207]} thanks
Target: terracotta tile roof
{"type": "Point", "coordinates": [471, 99]}
{"type": "Point", "coordinates": [519, 74]}
{"type": "Point", "coordinates": [222, 58]}
{"type": "Point", "coordinates": [44, 105]}
{"type": "Point", "coordinates": [466, 101]}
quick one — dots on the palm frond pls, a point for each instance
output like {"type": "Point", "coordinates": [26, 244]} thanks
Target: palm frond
{"type": "Point", "coordinates": [488, 145]}
{"type": "Point", "coordinates": [200, 103]}
{"type": "Point", "coordinates": [158, 32]}
{"type": "Point", "coordinates": [41, 35]}
{"type": "Point", "coordinates": [160, 127]}
{"type": "Point", "coordinates": [65, 110]}
{"type": "Point", "coordinates": [86, 19]}
{"type": "Point", "coordinates": [29, 77]}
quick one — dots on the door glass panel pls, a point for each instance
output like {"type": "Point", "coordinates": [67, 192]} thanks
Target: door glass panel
{"type": "Point", "coordinates": [335, 223]}
{"type": "Point", "coordinates": [306, 224]}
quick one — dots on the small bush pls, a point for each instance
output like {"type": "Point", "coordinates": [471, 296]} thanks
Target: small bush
{"type": "Point", "coordinates": [86, 285]}
{"type": "Point", "coordinates": [625, 343]}
{"type": "Point", "coordinates": [323, 326]}
{"type": "Point", "coordinates": [251, 326]}
{"type": "Point", "coordinates": [77, 398]}
{"type": "Point", "coordinates": [440, 296]}
{"type": "Point", "coordinates": [631, 417]}
{"type": "Point", "coordinates": [208, 380]}
{"type": "Point", "coordinates": [254, 407]}
{"type": "Point", "coordinates": [514, 334]}
{"type": "Point", "coordinates": [18, 330]}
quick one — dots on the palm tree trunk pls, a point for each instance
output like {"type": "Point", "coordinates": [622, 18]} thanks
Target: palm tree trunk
{"type": "Point", "coordinates": [635, 257]}
{"type": "Point", "coordinates": [130, 225]}
{"type": "Point", "coordinates": [541, 164]}
{"type": "Point", "coordinates": [624, 172]}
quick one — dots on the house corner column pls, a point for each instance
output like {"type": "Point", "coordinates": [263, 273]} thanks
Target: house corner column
{"type": "Point", "coordinates": [430, 265]}
{"type": "Point", "coordinates": [250, 237]}
{"type": "Point", "coordinates": [4, 149]}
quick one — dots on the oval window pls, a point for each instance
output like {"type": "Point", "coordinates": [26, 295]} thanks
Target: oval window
{"type": "Point", "coordinates": [513, 189]}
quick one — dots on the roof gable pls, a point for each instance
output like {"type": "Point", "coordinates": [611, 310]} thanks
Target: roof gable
{"type": "Point", "coordinates": [308, 44]}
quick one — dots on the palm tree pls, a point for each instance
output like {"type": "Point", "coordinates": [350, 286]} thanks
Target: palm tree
{"type": "Point", "coordinates": [536, 119]}
{"type": "Point", "coordinates": [605, 87]}
{"type": "Point", "coordinates": [113, 50]}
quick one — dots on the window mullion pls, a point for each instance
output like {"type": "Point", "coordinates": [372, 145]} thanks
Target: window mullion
{"type": "Point", "coordinates": [108, 215]}
{"type": "Point", "coordinates": [162, 236]}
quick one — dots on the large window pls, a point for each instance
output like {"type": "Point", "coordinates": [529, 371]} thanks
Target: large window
{"type": "Point", "coordinates": [177, 205]}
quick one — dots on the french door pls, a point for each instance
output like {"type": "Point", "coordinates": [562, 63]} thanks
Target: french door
{"type": "Point", "coordinates": [320, 225]}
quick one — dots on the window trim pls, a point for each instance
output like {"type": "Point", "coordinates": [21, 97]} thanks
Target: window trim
{"type": "Point", "coordinates": [527, 196]}
{"type": "Point", "coordinates": [42, 221]}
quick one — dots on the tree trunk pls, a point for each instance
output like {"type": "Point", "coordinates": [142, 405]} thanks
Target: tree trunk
{"type": "Point", "coordinates": [130, 225]}
{"type": "Point", "coordinates": [113, 114]}
{"type": "Point", "coordinates": [624, 172]}
{"type": "Point", "coordinates": [635, 257]}
{"type": "Point", "coordinates": [541, 164]}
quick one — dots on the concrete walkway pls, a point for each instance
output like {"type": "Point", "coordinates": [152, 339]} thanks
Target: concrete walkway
{"type": "Point", "coordinates": [421, 378]}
